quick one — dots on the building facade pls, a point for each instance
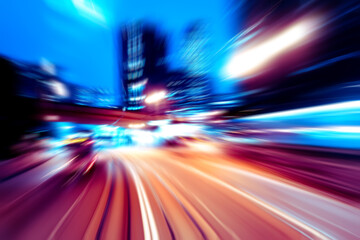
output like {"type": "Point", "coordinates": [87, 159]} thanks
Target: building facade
{"type": "Point", "coordinates": [190, 88]}
{"type": "Point", "coordinates": [143, 62]}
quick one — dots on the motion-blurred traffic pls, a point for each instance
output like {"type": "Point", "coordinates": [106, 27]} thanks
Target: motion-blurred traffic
{"type": "Point", "coordinates": [222, 119]}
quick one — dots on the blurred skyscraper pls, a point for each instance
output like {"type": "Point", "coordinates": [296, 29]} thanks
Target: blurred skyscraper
{"type": "Point", "coordinates": [195, 52]}
{"type": "Point", "coordinates": [190, 89]}
{"type": "Point", "coordinates": [143, 61]}
{"type": "Point", "coordinates": [133, 65]}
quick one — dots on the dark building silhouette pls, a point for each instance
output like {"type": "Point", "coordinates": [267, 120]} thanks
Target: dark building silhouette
{"type": "Point", "coordinates": [143, 61]}
{"type": "Point", "coordinates": [16, 113]}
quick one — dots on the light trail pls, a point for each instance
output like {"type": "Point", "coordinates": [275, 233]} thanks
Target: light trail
{"type": "Point", "coordinates": [343, 106]}
{"type": "Point", "coordinates": [249, 61]}
{"type": "Point", "coordinates": [149, 224]}
{"type": "Point", "coordinates": [290, 219]}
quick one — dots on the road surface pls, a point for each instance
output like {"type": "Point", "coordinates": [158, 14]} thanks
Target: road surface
{"type": "Point", "coordinates": [198, 191]}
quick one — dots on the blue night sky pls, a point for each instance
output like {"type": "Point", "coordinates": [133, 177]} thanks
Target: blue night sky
{"type": "Point", "coordinates": [80, 35]}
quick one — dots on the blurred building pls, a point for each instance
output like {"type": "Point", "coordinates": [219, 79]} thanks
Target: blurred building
{"type": "Point", "coordinates": [190, 88]}
{"type": "Point", "coordinates": [143, 61]}
{"type": "Point", "coordinates": [30, 80]}
{"type": "Point", "coordinates": [195, 50]}
{"type": "Point", "coordinates": [41, 82]}
{"type": "Point", "coordinates": [17, 113]}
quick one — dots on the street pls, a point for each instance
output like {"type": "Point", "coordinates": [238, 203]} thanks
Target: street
{"type": "Point", "coordinates": [183, 120]}
{"type": "Point", "coordinates": [198, 191]}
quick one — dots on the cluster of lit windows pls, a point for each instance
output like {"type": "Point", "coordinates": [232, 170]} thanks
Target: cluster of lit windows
{"type": "Point", "coordinates": [134, 67]}
{"type": "Point", "coordinates": [139, 85]}
{"type": "Point", "coordinates": [134, 42]}
{"type": "Point", "coordinates": [139, 98]}
{"type": "Point", "coordinates": [135, 92]}
{"type": "Point", "coordinates": [135, 49]}
{"type": "Point", "coordinates": [135, 75]}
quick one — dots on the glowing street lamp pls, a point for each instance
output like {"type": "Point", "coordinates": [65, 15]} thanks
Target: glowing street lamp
{"type": "Point", "coordinates": [155, 97]}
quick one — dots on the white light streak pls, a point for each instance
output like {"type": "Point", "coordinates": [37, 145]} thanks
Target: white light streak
{"type": "Point", "coordinates": [343, 106]}
{"type": "Point", "coordinates": [289, 218]}
{"type": "Point", "coordinates": [249, 61]}
{"type": "Point", "coordinates": [147, 216]}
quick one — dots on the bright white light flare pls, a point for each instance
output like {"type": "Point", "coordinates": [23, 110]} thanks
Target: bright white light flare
{"type": "Point", "coordinates": [247, 62]}
{"type": "Point", "coordinates": [155, 97]}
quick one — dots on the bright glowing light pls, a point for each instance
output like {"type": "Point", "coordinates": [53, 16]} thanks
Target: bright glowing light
{"type": "Point", "coordinates": [343, 106]}
{"type": "Point", "coordinates": [136, 125]}
{"type": "Point", "coordinates": [183, 129]}
{"type": "Point", "coordinates": [247, 62]}
{"type": "Point", "coordinates": [59, 89]}
{"type": "Point", "coordinates": [345, 129]}
{"type": "Point", "coordinates": [142, 137]}
{"type": "Point", "coordinates": [336, 129]}
{"type": "Point", "coordinates": [155, 97]}
{"type": "Point", "coordinates": [159, 122]}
